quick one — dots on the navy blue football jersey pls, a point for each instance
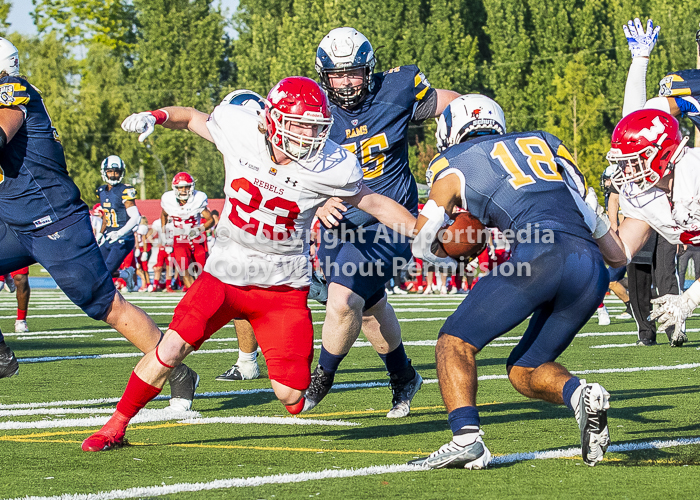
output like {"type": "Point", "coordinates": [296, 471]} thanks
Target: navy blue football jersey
{"type": "Point", "coordinates": [684, 87]}
{"type": "Point", "coordinates": [377, 132]}
{"type": "Point", "coordinates": [515, 181]}
{"type": "Point", "coordinates": [35, 189]}
{"type": "Point", "coordinates": [112, 201]}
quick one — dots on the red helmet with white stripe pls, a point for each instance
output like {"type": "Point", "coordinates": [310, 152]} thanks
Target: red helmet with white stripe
{"type": "Point", "coordinates": [645, 146]}
{"type": "Point", "coordinates": [183, 185]}
{"type": "Point", "coordinates": [297, 117]}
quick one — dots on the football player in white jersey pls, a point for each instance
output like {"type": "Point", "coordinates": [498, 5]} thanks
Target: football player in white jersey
{"type": "Point", "coordinates": [187, 209]}
{"type": "Point", "coordinates": [278, 172]}
{"type": "Point", "coordinates": [658, 179]}
{"type": "Point", "coordinates": [164, 260]}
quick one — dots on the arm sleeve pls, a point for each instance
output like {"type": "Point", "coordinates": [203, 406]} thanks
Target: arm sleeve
{"type": "Point", "coordinates": [134, 219]}
{"type": "Point", "coordinates": [424, 96]}
{"type": "Point", "coordinates": [636, 86]}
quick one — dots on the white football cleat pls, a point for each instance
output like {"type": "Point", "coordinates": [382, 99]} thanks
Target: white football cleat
{"type": "Point", "coordinates": [474, 456]}
{"type": "Point", "coordinates": [21, 326]}
{"type": "Point", "coordinates": [592, 417]}
{"type": "Point", "coordinates": [603, 316]}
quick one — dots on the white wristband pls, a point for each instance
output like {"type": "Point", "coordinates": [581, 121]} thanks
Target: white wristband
{"type": "Point", "coordinates": [602, 226]}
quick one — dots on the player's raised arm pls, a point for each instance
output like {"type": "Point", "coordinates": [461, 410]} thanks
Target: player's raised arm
{"type": "Point", "coordinates": [384, 209]}
{"type": "Point", "coordinates": [172, 117]}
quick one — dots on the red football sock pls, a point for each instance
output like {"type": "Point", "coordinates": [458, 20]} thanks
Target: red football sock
{"type": "Point", "coordinates": [136, 395]}
{"type": "Point", "coordinates": [21, 314]}
{"type": "Point", "coordinates": [296, 408]}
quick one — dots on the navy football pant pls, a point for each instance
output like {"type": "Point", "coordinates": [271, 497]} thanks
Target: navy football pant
{"type": "Point", "coordinates": [72, 258]}
{"type": "Point", "coordinates": [115, 253]}
{"type": "Point", "coordinates": [567, 282]}
{"type": "Point", "coordinates": [365, 264]}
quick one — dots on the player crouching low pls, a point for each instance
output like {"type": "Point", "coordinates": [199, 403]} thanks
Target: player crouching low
{"type": "Point", "coordinates": [512, 182]}
{"type": "Point", "coordinates": [279, 169]}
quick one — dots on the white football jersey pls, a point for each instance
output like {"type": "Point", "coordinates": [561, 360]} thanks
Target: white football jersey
{"type": "Point", "coordinates": [184, 217]}
{"type": "Point", "coordinates": [162, 238]}
{"type": "Point", "coordinates": [262, 237]}
{"type": "Point", "coordinates": [676, 219]}
{"type": "Point", "coordinates": [96, 222]}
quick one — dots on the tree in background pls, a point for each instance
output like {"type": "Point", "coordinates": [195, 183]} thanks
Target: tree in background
{"type": "Point", "coordinates": [558, 66]}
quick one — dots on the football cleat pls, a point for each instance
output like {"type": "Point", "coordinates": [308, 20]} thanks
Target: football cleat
{"type": "Point", "coordinates": [241, 371]}
{"type": "Point", "coordinates": [603, 316]}
{"type": "Point", "coordinates": [453, 456]}
{"type": "Point", "coordinates": [105, 440]}
{"type": "Point", "coordinates": [677, 340]}
{"type": "Point", "coordinates": [592, 417]}
{"type": "Point", "coordinates": [183, 384]}
{"type": "Point", "coordinates": [624, 315]}
{"type": "Point", "coordinates": [321, 383]}
{"type": "Point", "coordinates": [9, 365]}
{"type": "Point", "coordinates": [10, 284]}
{"type": "Point", "coordinates": [21, 326]}
{"type": "Point", "coordinates": [403, 391]}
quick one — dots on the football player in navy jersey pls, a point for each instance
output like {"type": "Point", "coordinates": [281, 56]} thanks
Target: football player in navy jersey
{"type": "Point", "coordinates": [43, 219]}
{"type": "Point", "coordinates": [120, 215]}
{"type": "Point", "coordinates": [524, 184]}
{"type": "Point", "coordinates": [371, 113]}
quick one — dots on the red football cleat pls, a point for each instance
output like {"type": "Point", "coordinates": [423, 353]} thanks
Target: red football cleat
{"type": "Point", "coordinates": [104, 440]}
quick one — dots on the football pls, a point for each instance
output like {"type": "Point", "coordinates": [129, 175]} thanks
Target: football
{"type": "Point", "coordinates": [465, 238]}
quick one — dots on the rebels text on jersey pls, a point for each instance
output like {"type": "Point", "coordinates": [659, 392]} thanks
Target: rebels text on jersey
{"type": "Point", "coordinates": [377, 133]}
{"type": "Point", "coordinates": [262, 235]}
{"type": "Point", "coordinates": [35, 189]}
{"type": "Point", "coordinates": [676, 219]}
{"type": "Point", "coordinates": [515, 181]}
{"type": "Point", "coordinates": [112, 201]}
{"type": "Point", "coordinates": [184, 217]}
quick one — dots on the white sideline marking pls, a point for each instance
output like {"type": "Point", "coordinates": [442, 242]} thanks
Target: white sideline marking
{"type": "Point", "coordinates": [144, 416]}
{"type": "Point", "coordinates": [248, 482]}
{"type": "Point", "coordinates": [243, 482]}
{"type": "Point", "coordinates": [268, 420]}
{"type": "Point", "coordinates": [40, 337]}
{"type": "Point", "coordinates": [53, 411]}
{"type": "Point", "coordinates": [164, 414]}
{"type": "Point", "coordinates": [607, 346]}
{"type": "Point", "coordinates": [359, 385]}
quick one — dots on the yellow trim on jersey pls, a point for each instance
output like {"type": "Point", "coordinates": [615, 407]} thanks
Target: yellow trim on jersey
{"type": "Point", "coordinates": [129, 194]}
{"type": "Point", "coordinates": [420, 95]}
{"type": "Point", "coordinates": [7, 94]}
{"type": "Point", "coordinates": [564, 153]}
{"type": "Point", "coordinates": [436, 168]}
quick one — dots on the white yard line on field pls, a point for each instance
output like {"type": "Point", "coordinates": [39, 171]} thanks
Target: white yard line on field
{"type": "Point", "coordinates": [290, 478]}
{"type": "Point", "coordinates": [165, 414]}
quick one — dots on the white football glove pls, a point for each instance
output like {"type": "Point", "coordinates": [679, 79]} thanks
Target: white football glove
{"type": "Point", "coordinates": [113, 236]}
{"type": "Point", "coordinates": [168, 250]}
{"type": "Point", "coordinates": [423, 241]}
{"type": "Point", "coordinates": [640, 42]}
{"type": "Point", "coordinates": [142, 123]}
{"type": "Point", "coordinates": [602, 223]}
{"type": "Point", "coordinates": [144, 256]}
{"type": "Point", "coordinates": [673, 310]}
{"type": "Point", "coordinates": [137, 252]}
{"type": "Point", "coordinates": [100, 238]}
{"type": "Point", "coordinates": [194, 232]}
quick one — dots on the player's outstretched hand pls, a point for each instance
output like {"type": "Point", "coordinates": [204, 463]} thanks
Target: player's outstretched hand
{"type": "Point", "coordinates": [142, 123]}
{"type": "Point", "coordinates": [673, 310]}
{"type": "Point", "coordinates": [331, 212]}
{"type": "Point", "coordinates": [641, 42]}
{"type": "Point", "coordinates": [100, 238]}
{"type": "Point", "coordinates": [113, 236]}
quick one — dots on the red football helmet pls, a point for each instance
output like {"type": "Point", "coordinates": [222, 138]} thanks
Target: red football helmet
{"type": "Point", "coordinates": [645, 146]}
{"type": "Point", "coordinates": [96, 210]}
{"type": "Point", "coordinates": [297, 117]}
{"type": "Point", "coordinates": [180, 181]}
